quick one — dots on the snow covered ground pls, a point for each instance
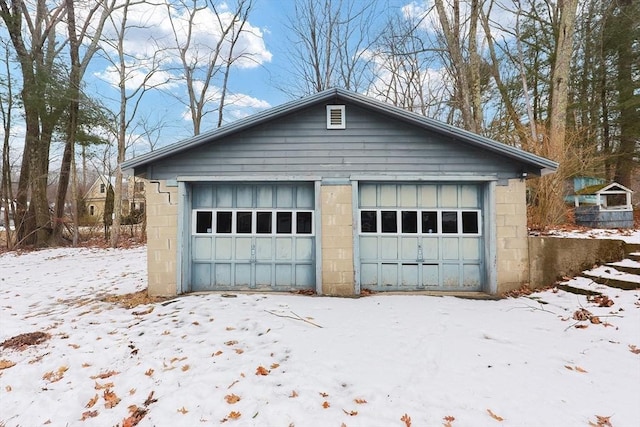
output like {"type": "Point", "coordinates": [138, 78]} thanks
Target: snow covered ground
{"type": "Point", "coordinates": [293, 360]}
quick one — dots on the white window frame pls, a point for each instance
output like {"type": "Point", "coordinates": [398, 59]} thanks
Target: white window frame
{"type": "Point", "coordinates": [254, 221]}
{"type": "Point", "coordinates": [438, 212]}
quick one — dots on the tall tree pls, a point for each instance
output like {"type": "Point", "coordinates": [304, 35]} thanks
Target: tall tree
{"type": "Point", "coordinates": [207, 62]}
{"type": "Point", "coordinates": [330, 41]}
{"type": "Point", "coordinates": [33, 36]}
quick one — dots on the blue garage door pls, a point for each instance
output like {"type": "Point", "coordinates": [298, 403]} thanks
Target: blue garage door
{"type": "Point", "coordinates": [420, 236]}
{"type": "Point", "coordinates": [252, 236]}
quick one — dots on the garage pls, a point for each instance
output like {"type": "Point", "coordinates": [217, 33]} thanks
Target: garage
{"type": "Point", "coordinates": [336, 193]}
{"type": "Point", "coordinates": [252, 236]}
{"type": "Point", "coordinates": [420, 236]}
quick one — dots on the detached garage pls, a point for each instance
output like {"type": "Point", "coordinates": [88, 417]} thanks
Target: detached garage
{"type": "Point", "coordinates": [336, 193]}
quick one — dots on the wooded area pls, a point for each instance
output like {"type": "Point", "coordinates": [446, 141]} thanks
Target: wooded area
{"type": "Point", "coordinates": [558, 78]}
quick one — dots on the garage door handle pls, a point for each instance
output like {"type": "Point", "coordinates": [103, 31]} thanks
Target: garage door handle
{"type": "Point", "coordinates": [420, 254]}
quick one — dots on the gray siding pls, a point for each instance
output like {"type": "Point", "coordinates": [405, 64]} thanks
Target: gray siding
{"type": "Point", "coordinates": [300, 145]}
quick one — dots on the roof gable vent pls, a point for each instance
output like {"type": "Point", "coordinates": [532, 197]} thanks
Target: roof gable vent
{"type": "Point", "coordinates": [336, 117]}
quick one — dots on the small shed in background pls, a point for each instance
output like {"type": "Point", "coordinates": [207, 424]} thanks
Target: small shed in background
{"type": "Point", "coordinates": [611, 208]}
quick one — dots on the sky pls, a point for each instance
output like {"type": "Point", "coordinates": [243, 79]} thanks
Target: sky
{"type": "Point", "coordinates": [265, 359]}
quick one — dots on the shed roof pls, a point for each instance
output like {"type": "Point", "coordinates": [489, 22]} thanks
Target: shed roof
{"type": "Point", "coordinates": [336, 96]}
{"type": "Point", "coordinates": [612, 188]}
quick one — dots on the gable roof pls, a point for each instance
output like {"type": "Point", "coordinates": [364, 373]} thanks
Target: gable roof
{"type": "Point", "coordinates": [336, 95]}
{"type": "Point", "coordinates": [612, 188]}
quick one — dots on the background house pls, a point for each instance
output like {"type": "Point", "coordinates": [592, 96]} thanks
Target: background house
{"type": "Point", "coordinates": [336, 193]}
{"type": "Point", "coordinates": [133, 197]}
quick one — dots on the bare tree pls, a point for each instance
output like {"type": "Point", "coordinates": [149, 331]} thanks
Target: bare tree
{"type": "Point", "coordinates": [207, 62]}
{"type": "Point", "coordinates": [134, 77]}
{"type": "Point", "coordinates": [330, 45]}
{"type": "Point", "coordinates": [6, 111]}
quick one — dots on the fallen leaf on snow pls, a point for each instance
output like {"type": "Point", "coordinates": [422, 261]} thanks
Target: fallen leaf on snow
{"type": "Point", "coordinates": [579, 369]}
{"type": "Point", "coordinates": [232, 398]}
{"type": "Point", "coordinates": [52, 376]}
{"type": "Point", "coordinates": [8, 388]}
{"type": "Point", "coordinates": [92, 401]}
{"type": "Point", "coordinates": [232, 342]}
{"type": "Point", "coordinates": [274, 365]}
{"type": "Point", "coordinates": [88, 414]}
{"type": "Point", "coordinates": [581, 326]}
{"type": "Point", "coordinates": [325, 404]}
{"type": "Point", "coordinates": [4, 364]}
{"type": "Point", "coordinates": [595, 320]}
{"type": "Point", "coordinates": [99, 386]}
{"type": "Point", "coordinates": [261, 370]}
{"type": "Point", "coordinates": [217, 353]}
{"type": "Point", "coordinates": [294, 394]}
{"type": "Point", "coordinates": [350, 413]}
{"type": "Point", "coordinates": [406, 419]}
{"type": "Point", "coordinates": [494, 416]}
{"type": "Point", "coordinates": [234, 415]}
{"type": "Point", "coordinates": [633, 349]}
{"type": "Point", "coordinates": [601, 421]}
{"type": "Point", "coordinates": [150, 399]}
{"type": "Point", "coordinates": [149, 372]}
{"type": "Point", "coordinates": [238, 350]}
{"type": "Point", "coordinates": [185, 368]}
{"type": "Point", "coordinates": [323, 394]}
{"type": "Point", "coordinates": [183, 410]}
{"type": "Point", "coordinates": [110, 399]}
{"type": "Point", "coordinates": [104, 375]}
{"type": "Point", "coordinates": [360, 401]}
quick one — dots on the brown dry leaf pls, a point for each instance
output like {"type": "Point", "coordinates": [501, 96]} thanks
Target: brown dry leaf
{"type": "Point", "coordinates": [195, 323]}
{"type": "Point", "coordinates": [166, 333]}
{"type": "Point", "coordinates": [325, 404]}
{"type": "Point", "coordinates": [294, 394]}
{"type": "Point", "coordinates": [85, 365]}
{"type": "Point", "coordinates": [581, 326]}
{"type": "Point", "coordinates": [360, 401]}
{"type": "Point", "coordinates": [230, 328]}
{"type": "Point", "coordinates": [633, 349]}
{"type": "Point", "coordinates": [569, 367]}
{"type": "Point", "coordinates": [323, 394]}
{"type": "Point", "coordinates": [234, 415]}
{"type": "Point", "coordinates": [143, 312]}
{"type": "Point", "coordinates": [217, 353]}
{"type": "Point", "coordinates": [110, 399]}
{"type": "Point", "coordinates": [448, 420]}
{"type": "Point", "coordinates": [579, 369]}
{"type": "Point", "coordinates": [132, 391]}
{"type": "Point", "coordinates": [238, 350]}
{"type": "Point", "coordinates": [601, 422]}
{"type": "Point", "coordinates": [150, 399]}
{"type": "Point", "coordinates": [98, 386]}
{"type": "Point", "coordinates": [75, 346]}
{"type": "Point", "coordinates": [261, 370]}
{"type": "Point", "coordinates": [232, 398]}
{"type": "Point", "coordinates": [274, 365]}
{"type": "Point", "coordinates": [185, 368]}
{"type": "Point", "coordinates": [8, 388]}
{"type": "Point", "coordinates": [406, 419]}
{"type": "Point", "coordinates": [4, 364]}
{"type": "Point", "coordinates": [92, 401]}
{"type": "Point", "coordinates": [494, 416]}
{"type": "Point", "coordinates": [88, 414]}
{"type": "Point", "coordinates": [183, 410]}
{"type": "Point", "coordinates": [149, 372]}
{"type": "Point", "coordinates": [582, 314]}
{"type": "Point", "coordinates": [52, 377]}
{"type": "Point", "coordinates": [350, 413]}
{"type": "Point", "coordinates": [595, 320]}
{"type": "Point", "coordinates": [104, 375]}
{"type": "Point", "coordinates": [232, 342]}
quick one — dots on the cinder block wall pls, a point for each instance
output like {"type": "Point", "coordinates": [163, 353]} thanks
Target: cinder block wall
{"type": "Point", "coordinates": [162, 234]}
{"type": "Point", "coordinates": [337, 241]}
{"type": "Point", "coordinates": [512, 253]}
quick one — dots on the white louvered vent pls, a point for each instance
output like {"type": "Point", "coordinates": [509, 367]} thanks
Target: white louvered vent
{"type": "Point", "coordinates": [335, 117]}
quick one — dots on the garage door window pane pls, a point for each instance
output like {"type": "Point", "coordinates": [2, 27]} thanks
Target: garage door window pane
{"type": "Point", "coordinates": [283, 225]}
{"type": "Point", "coordinates": [303, 222]}
{"type": "Point", "coordinates": [368, 222]}
{"type": "Point", "coordinates": [223, 222]}
{"type": "Point", "coordinates": [263, 222]}
{"type": "Point", "coordinates": [429, 222]}
{"type": "Point", "coordinates": [470, 222]}
{"type": "Point", "coordinates": [410, 222]}
{"type": "Point", "coordinates": [203, 222]}
{"type": "Point", "coordinates": [243, 222]}
{"type": "Point", "coordinates": [449, 222]}
{"type": "Point", "coordinates": [389, 221]}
